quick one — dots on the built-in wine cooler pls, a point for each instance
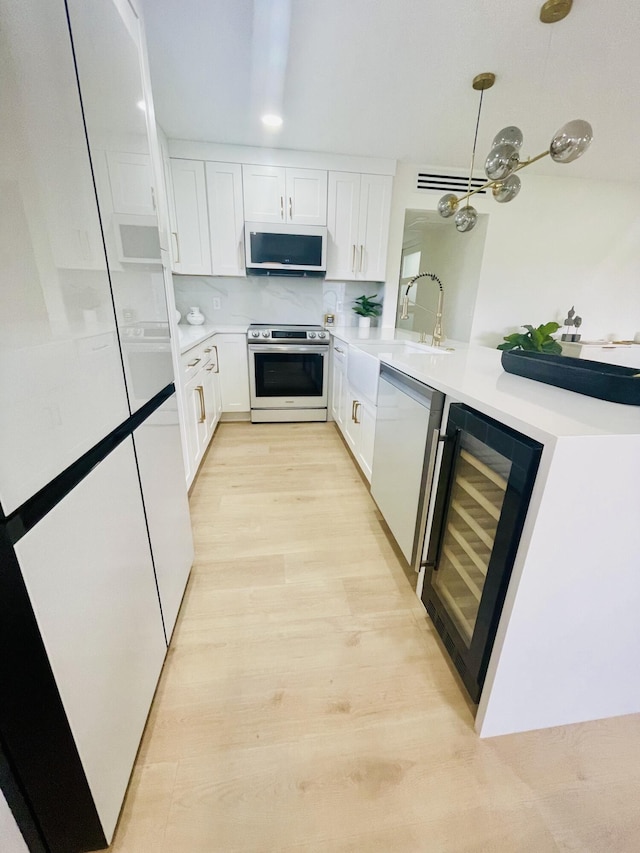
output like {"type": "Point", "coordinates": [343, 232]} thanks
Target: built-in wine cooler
{"type": "Point", "coordinates": [483, 491]}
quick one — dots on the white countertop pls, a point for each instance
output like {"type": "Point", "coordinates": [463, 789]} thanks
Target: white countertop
{"type": "Point", "coordinates": [191, 336]}
{"type": "Point", "coordinates": [474, 375]}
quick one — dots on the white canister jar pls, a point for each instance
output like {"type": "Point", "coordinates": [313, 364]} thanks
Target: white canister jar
{"type": "Point", "coordinates": [195, 317]}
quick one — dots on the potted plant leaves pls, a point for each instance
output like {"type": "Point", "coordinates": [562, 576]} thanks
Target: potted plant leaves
{"type": "Point", "coordinates": [366, 308]}
{"type": "Point", "coordinates": [534, 340]}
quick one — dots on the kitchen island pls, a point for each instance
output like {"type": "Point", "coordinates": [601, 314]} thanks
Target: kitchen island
{"type": "Point", "coordinates": [565, 650]}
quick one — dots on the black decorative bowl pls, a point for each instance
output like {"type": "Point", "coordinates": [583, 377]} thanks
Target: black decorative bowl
{"type": "Point", "coordinates": [593, 378]}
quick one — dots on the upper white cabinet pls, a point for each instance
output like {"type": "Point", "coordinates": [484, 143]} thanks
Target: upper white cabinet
{"type": "Point", "coordinates": [189, 218]}
{"type": "Point", "coordinates": [275, 194]}
{"type": "Point", "coordinates": [226, 220]}
{"type": "Point", "coordinates": [131, 179]}
{"type": "Point", "coordinates": [358, 223]}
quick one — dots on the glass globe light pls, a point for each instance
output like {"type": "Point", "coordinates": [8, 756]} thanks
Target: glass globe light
{"type": "Point", "coordinates": [466, 218]}
{"type": "Point", "coordinates": [448, 205]}
{"type": "Point", "coordinates": [507, 190]}
{"type": "Point", "coordinates": [511, 135]}
{"type": "Point", "coordinates": [571, 141]}
{"type": "Point", "coordinates": [502, 160]}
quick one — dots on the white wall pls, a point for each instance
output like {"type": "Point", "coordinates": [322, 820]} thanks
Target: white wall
{"type": "Point", "coordinates": [11, 840]}
{"type": "Point", "coordinates": [564, 241]}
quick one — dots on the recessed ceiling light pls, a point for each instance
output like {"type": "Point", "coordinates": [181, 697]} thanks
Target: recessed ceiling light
{"type": "Point", "coordinates": [272, 120]}
{"type": "Point", "coordinates": [141, 105]}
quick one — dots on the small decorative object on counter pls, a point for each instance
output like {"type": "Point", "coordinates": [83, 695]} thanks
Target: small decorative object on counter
{"type": "Point", "coordinates": [329, 320]}
{"type": "Point", "coordinates": [534, 340]}
{"type": "Point", "coordinates": [571, 320]}
{"type": "Point", "coordinates": [366, 308]}
{"type": "Point", "coordinates": [195, 317]}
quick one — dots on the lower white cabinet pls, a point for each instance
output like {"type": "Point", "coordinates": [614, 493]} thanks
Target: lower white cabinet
{"type": "Point", "coordinates": [338, 404]}
{"type": "Point", "coordinates": [353, 409]}
{"type": "Point", "coordinates": [234, 373]}
{"type": "Point", "coordinates": [214, 379]}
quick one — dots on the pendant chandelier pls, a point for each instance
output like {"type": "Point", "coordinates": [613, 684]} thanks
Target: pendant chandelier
{"type": "Point", "coordinates": [503, 161]}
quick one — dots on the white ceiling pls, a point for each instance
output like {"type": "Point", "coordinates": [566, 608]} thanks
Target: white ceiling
{"type": "Point", "coordinates": [392, 78]}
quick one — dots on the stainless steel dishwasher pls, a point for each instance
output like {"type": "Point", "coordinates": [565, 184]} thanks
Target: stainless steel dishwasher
{"type": "Point", "coordinates": [406, 440]}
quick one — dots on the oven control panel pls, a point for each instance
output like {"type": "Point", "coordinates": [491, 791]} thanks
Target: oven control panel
{"type": "Point", "coordinates": [287, 334]}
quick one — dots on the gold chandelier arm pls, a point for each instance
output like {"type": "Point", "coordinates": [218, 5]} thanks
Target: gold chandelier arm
{"type": "Point", "coordinates": [495, 183]}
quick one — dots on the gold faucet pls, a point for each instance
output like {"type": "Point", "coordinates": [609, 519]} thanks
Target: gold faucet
{"type": "Point", "coordinates": [438, 335]}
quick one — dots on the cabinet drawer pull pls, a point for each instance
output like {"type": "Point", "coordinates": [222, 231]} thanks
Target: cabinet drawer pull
{"type": "Point", "coordinates": [290, 208]}
{"type": "Point", "coordinates": [353, 259]}
{"type": "Point", "coordinates": [203, 411]}
{"type": "Point", "coordinates": [153, 197]}
{"type": "Point", "coordinates": [341, 351]}
{"type": "Point", "coordinates": [355, 414]}
{"type": "Point", "coordinates": [174, 234]}
{"type": "Point", "coordinates": [353, 409]}
{"type": "Point", "coordinates": [282, 207]}
{"type": "Point", "coordinates": [211, 367]}
{"type": "Point", "coordinates": [217, 365]}
{"type": "Point", "coordinates": [194, 362]}
{"type": "Point", "coordinates": [361, 257]}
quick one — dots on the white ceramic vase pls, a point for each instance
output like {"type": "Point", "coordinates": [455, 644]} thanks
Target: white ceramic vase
{"type": "Point", "coordinates": [364, 322]}
{"type": "Point", "coordinates": [195, 317]}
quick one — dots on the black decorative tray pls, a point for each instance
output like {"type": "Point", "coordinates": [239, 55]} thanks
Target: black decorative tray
{"type": "Point", "coordinates": [594, 378]}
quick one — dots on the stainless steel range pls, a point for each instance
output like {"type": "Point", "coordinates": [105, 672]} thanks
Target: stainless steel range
{"type": "Point", "coordinates": [288, 373]}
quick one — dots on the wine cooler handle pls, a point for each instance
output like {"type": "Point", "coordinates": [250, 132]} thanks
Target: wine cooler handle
{"type": "Point", "coordinates": [436, 438]}
{"type": "Point", "coordinates": [443, 491]}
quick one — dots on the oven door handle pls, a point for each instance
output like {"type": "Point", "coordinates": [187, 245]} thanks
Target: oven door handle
{"type": "Point", "coordinates": [321, 349]}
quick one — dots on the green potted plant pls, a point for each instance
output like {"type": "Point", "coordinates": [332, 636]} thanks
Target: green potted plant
{"type": "Point", "coordinates": [366, 308]}
{"type": "Point", "coordinates": [534, 340]}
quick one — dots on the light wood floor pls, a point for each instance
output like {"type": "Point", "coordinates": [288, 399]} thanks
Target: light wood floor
{"type": "Point", "coordinates": [306, 704]}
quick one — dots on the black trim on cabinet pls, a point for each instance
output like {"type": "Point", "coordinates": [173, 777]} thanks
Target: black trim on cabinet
{"type": "Point", "coordinates": [21, 520]}
{"type": "Point", "coordinates": [14, 796]}
{"type": "Point", "coordinates": [34, 729]}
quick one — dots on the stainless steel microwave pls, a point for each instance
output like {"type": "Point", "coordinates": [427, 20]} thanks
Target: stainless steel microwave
{"type": "Point", "coordinates": [285, 249]}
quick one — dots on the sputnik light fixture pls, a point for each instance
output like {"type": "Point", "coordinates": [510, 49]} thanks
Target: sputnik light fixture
{"type": "Point", "coordinates": [503, 161]}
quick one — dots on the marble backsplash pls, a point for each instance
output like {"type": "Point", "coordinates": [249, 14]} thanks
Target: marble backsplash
{"type": "Point", "coordinates": [266, 299]}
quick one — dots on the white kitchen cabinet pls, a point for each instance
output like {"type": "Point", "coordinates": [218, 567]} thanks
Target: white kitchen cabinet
{"type": "Point", "coordinates": [212, 392]}
{"type": "Point", "coordinates": [201, 394]}
{"type": "Point", "coordinates": [191, 252]}
{"type": "Point", "coordinates": [359, 429]}
{"type": "Point", "coordinates": [234, 373]}
{"type": "Point", "coordinates": [358, 216]}
{"type": "Point", "coordinates": [276, 194]}
{"type": "Point", "coordinates": [131, 180]}
{"type": "Point", "coordinates": [89, 575]}
{"type": "Point", "coordinates": [339, 383]}
{"type": "Point", "coordinates": [226, 218]}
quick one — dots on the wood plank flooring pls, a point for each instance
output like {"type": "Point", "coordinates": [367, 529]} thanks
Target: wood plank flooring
{"type": "Point", "coordinates": [306, 704]}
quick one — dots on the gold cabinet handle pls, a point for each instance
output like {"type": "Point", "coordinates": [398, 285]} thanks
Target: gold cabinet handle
{"type": "Point", "coordinates": [353, 410]}
{"type": "Point", "coordinates": [290, 208]}
{"type": "Point", "coordinates": [194, 362]}
{"type": "Point", "coordinates": [210, 368]}
{"type": "Point", "coordinates": [215, 347]}
{"type": "Point", "coordinates": [282, 207]}
{"type": "Point", "coordinates": [203, 411]}
{"type": "Point", "coordinates": [177, 256]}
{"type": "Point", "coordinates": [208, 349]}
{"type": "Point", "coordinates": [341, 351]}
{"type": "Point", "coordinates": [153, 197]}
{"type": "Point", "coordinates": [355, 414]}
{"type": "Point", "coordinates": [353, 259]}
{"type": "Point", "coordinates": [361, 257]}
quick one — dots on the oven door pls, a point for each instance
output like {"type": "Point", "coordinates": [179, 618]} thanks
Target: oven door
{"type": "Point", "coordinates": [288, 377]}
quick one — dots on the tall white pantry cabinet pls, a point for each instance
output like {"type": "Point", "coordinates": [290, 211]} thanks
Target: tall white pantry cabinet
{"type": "Point", "coordinates": [95, 537]}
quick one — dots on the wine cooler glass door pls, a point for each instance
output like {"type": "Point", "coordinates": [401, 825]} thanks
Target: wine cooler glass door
{"type": "Point", "coordinates": [478, 489]}
{"type": "Point", "coordinates": [483, 493]}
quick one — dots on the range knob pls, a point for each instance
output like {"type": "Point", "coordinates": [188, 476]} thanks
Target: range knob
{"type": "Point", "coordinates": [255, 334]}
{"type": "Point", "coordinates": [312, 334]}
{"type": "Point", "coordinates": [266, 334]}
{"type": "Point", "coordinates": [322, 334]}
